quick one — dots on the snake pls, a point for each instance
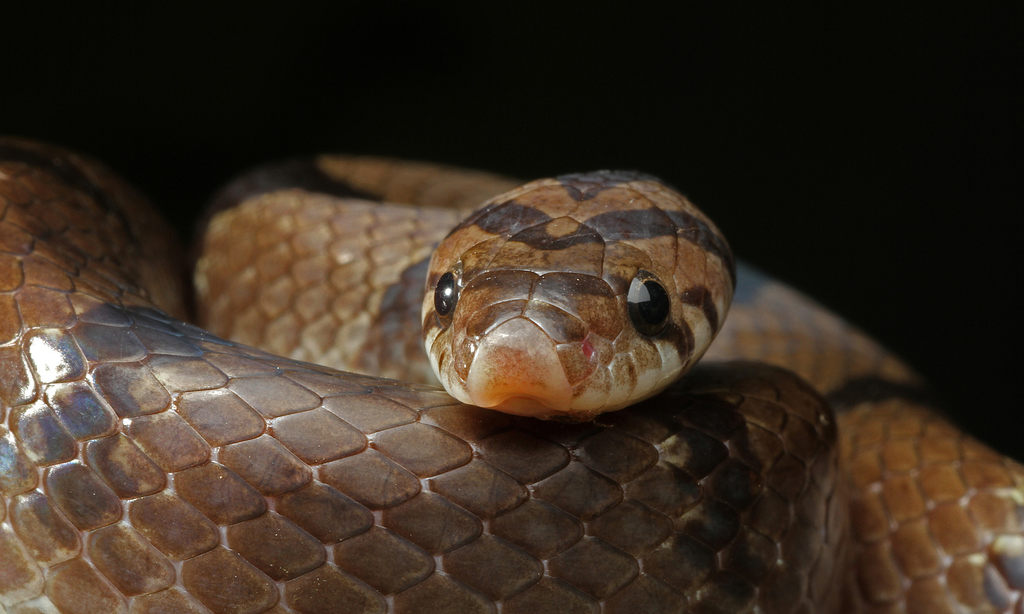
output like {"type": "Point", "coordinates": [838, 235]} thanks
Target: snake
{"type": "Point", "coordinates": [286, 447]}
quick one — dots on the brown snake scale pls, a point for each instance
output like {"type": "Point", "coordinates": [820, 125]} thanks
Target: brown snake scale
{"type": "Point", "coordinates": [148, 466]}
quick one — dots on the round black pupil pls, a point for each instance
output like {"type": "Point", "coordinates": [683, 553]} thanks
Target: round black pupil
{"type": "Point", "coordinates": [444, 295]}
{"type": "Point", "coordinates": [651, 302]}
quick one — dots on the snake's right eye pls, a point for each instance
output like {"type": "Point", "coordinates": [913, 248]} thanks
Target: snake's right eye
{"type": "Point", "coordinates": [648, 304]}
{"type": "Point", "coordinates": [446, 295]}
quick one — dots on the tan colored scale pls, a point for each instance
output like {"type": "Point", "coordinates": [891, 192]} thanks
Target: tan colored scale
{"type": "Point", "coordinates": [147, 465]}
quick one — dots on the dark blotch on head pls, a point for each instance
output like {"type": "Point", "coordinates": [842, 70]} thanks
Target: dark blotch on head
{"type": "Point", "coordinates": [538, 237]}
{"type": "Point", "coordinates": [584, 186]}
{"type": "Point", "coordinates": [634, 224]}
{"type": "Point", "coordinates": [506, 218]}
{"type": "Point", "coordinates": [698, 296]}
{"type": "Point", "coordinates": [681, 336]}
{"type": "Point", "coordinates": [697, 231]}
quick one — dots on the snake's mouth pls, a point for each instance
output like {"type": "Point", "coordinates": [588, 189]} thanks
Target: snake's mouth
{"type": "Point", "coordinates": [516, 370]}
{"type": "Point", "coordinates": [526, 406]}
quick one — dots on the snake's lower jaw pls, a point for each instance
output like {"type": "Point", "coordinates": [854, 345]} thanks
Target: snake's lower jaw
{"type": "Point", "coordinates": [516, 370]}
{"type": "Point", "coordinates": [530, 408]}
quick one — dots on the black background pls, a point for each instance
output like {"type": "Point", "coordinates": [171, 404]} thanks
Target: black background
{"type": "Point", "coordinates": [868, 156]}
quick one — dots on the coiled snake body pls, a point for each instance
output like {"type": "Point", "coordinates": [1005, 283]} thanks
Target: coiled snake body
{"type": "Point", "coordinates": [147, 465]}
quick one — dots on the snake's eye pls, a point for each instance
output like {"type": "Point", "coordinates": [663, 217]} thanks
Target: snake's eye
{"type": "Point", "coordinates": [446, 294]}
{"type": "Point", "coordinates": [648, 304]}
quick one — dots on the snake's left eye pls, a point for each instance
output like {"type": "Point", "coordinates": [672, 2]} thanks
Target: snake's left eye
{"type": "Point", "coordinates": [648, 304]}
{"type": "Point", "coordinates": [446, 295]}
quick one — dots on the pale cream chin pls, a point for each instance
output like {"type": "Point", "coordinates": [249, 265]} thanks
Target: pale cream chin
{"type": "Point", "coordinates": [518, 406]}
{"type": "Point", "coordinates": [592, 395]}
{"type": "Point", "coordinates": [595, 400]}
{"type": "Point", "coordinates": [531, 408]}
{"type": "Point", "coordinates": [619, 395]}
{"type": "Point", "coordinates": [648, 383]}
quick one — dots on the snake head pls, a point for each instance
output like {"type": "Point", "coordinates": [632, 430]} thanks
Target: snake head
{"type": "Point", "coordinates": [569, 297]}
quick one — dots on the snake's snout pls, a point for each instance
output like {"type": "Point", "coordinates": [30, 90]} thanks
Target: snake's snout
{"type": "Point", "coordinates": [516, 370]}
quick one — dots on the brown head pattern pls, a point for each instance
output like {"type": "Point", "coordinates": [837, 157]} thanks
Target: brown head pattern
{"type": "Point", "coordinates": [573, 296]}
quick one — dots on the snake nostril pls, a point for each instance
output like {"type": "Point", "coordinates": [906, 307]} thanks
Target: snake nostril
{"type": "Point", "coordinates": [579, 360]}
{"type": "Point", "coordinates": [588, 349]}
